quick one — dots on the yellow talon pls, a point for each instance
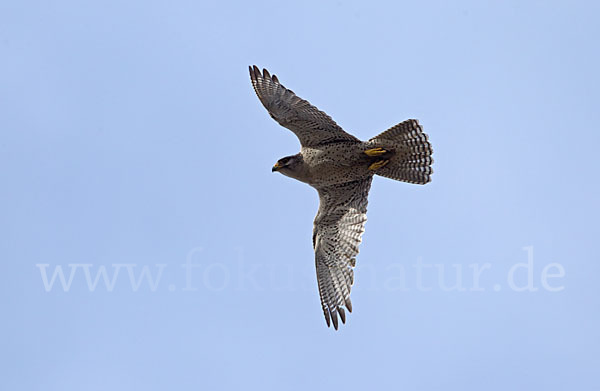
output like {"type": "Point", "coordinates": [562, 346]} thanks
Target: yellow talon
{"type": "Point", "coordinates": [375, 152]}
{"type": "Point", "coordinates": [378, 164]}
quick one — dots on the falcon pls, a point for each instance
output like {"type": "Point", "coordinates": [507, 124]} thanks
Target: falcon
{"type": "Point", "coordinates": [340, 167]}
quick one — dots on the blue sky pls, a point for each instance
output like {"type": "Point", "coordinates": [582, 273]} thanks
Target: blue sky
{"type": "Point", "coordinates": [132, 143]}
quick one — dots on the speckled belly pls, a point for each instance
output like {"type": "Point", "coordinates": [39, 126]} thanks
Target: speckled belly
{"type": "Point", "coordinates": [336, 163]}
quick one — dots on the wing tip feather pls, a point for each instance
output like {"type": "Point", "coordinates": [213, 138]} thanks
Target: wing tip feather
{"type": "Point", "coordinates": [334, 318]}
{"type": "Point", "coordinates": [342, 314]}
{"type": "Point", "coordinates": [348, 303]}
{"type": "Point", "coordinates": [256, 74]}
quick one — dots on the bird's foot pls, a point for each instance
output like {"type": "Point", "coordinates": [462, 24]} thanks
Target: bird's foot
{"type": "Point", "coordinates": [378, 164]}
{"type": "Point", "coordinates": [375, 152]}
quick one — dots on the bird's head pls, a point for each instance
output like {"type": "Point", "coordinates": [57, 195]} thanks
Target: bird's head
{"type": "Point", "coordinates": [289, 166]}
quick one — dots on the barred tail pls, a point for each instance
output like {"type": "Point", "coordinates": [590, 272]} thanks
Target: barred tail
{"type": "Point", "coordinates": [411, 161]}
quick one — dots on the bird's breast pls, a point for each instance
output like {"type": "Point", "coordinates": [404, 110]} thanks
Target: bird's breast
{"type": "Point", "coordinates": [335, 163]}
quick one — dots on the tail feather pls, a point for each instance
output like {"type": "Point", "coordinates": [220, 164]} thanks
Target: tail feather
{"type": "Point", "coordinates": [412, 159]}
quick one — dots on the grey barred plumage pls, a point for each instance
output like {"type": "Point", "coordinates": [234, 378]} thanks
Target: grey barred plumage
{"type": "Point", "coordinates": [412, 162]}
{"type": "Point", "coordinates": [341, 168]}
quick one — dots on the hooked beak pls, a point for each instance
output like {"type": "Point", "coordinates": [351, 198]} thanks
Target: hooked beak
{"type": "Point", "coordinates": [276, 167]}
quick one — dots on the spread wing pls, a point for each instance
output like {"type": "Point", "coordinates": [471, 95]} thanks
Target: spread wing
{"type": "Point", "coordinates": [312, 126]}
{"type": "Point", "coordinates": [339, 226]}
